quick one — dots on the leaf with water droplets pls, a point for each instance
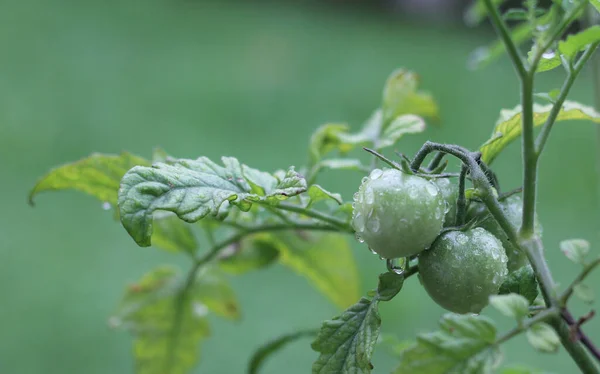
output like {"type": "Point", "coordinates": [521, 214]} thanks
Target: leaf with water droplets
{"type": "Point", "coordinates": [521, 282]}
{"type": "Point", "coordinates": [508, 126]}
{"type": "Point", "coordinates": [168, 329]}
{"type": "Point", "coordinates": [193, 189]}
{"type": "Point", "coordinates": [463, 345]}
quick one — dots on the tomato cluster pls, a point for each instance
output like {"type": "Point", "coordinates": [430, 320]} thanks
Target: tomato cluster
{"type": "Point", "coordinates": [401, 215]}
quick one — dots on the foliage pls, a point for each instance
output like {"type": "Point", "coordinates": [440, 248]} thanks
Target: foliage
{"type": "Point", "coordinates": [252, 219]}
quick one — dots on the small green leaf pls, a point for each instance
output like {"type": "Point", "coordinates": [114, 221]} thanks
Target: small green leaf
{"type": "Point", "coordinates": [482, 56]}
{"type": "Point", "coordinates": [464, 345]}
{"type": "Point", "coordinates": [389, 285]}
{"type": "Point", "coordinates": [548, 96]}
{"type": "Point", "coordinates": [543, 338]}
{"type": "Point", "coordinates": [193, 189]}
{"type": "Point", "coordinates": [97, 175]}
{"type": "Point", "coordinates": [346, 342]}
{"type": "Point", "coordinates": [267, 350]}
{"type": "Point", "coordinates": [511, 305]}
{"type": "Point", "coordinates": [521, 282]}
{"type": "Point", "coordinates": [168, 329]}
{"type": "Point", "coordinates": [326, 260]}
{"type": "Point", "coordinates": [508, 126]}
{"type": "Point", "coordinates": [575, 249]}
{"type": "Point", "coordinates": [584, 292]}
{"type": "Point", "coordinates": [549, 61]}
{"type": "Point", "coordinates": [318, 193]}
{"type": "Point", "coordinates": [326, 139]}
{"type": "Point", "coordinates": [577, 42]}
{"type": "Point", "coordinates": [212, 290]}
{"type": "Point", "coordinates": [252, 253]}
{"type": "Point", "coordinates": [400, 97]}
{"type": "Point", "coordinates": [173, 235]}
{"type": "Point", "coordinates": [404, 124]}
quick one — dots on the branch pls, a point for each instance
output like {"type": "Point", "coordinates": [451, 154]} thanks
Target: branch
{"type": "Point", "coordinates": [575, 349]}
{"type": "Point", "coordinates": [340, 224]}
{"type": "Point", "coordinates": [585, 340]}
{"type": "Point", "coordinates": [502, 30]}
{"type": "Point", "coordinates": [587, 269]}
{"type": "Point", "coordinates": [542, 316]}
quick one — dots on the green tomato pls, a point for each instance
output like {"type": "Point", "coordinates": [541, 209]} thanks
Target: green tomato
{"type": "Point", "coordinates": [449, 191]}
{"type": "Point", "coordinates": [513, 209]}
{"type": "Point", "coordinates": [397, 214]}
{"type": "Point", "coordinates": [462, 269]}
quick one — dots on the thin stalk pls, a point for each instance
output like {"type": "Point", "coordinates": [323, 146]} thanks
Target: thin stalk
{"type": "Point", "coordinates": [562, 96]}
{"type": "Point", "coordinates": [504, 32]}
{"type": "Point", "coordinates": [585, 340]}
{"type": "Point", "coordinates": [324, 217]}
{"type": "Point", "coordinates": [542, 316]}
{"type": "Point", "coordinates": [586, 271]}
{"type": "Point", "coordinates": [530, 158]}
{"type": "Point", "coordinates": [461, 201]}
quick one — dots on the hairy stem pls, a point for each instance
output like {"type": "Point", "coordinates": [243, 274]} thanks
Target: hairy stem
{"type": "Point", "coordinates": [530, 158]}
{"type": "Point", "coordinates": [461, 201]}
{"type": "Point", "coordinates": [341, 225]}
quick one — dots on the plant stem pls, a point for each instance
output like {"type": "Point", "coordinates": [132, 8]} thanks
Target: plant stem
{"type": "Point", "coordinates": [317, 215]}
{"type": "Point", "coordinates": [571, 76]}
{"type": "Point", "coordinates": [502, 30]}
{"type": "Point", "coordinates": [461, 201]}
{"type": "Point", "coordinates": [529, 158]}
{"type": "Point", "coordinates": [542, 316]}
{"type": "Point", "coordinates": [566, 315]}
{"type": "Point", "coordinates": [586, 271]}
{"type": "Point", "coordinates": [576, 350]}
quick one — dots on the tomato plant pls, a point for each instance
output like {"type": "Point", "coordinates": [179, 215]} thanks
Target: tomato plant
{"type": "Point", "coordinates": [414, 215]}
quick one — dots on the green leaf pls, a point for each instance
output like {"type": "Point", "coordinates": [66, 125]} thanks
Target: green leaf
{"type": "Point", "coordinates": [389, 285]}
{"type": "Point", "coordinates": [267, 350]}
{"type": "Point", "coordinates": [326, 139]}
{"type": "Point", "coordinates": [596, 4]}
{"type": "Point", "coordinates": [543, 338]}
{"type": "Point", "coordinates": [400, 97]}
{"type": "Point", "coordinates": [317, 193]}
{"type": "Point", "coordinates": [173, 235]}
{"type": "Point", "coordinates": [193, 189]}
{"type": "Point", "coordinates": [212, 290]}
{"type": "Point", "coordinates": [521, 282]}
{"type": "Point", "coordinates": [508, 126]}
{"type": "Point", "coordinates": [548, 96]}
{"type": "Point", "coordinates": [549, 61]}
{"type": "Point", "coordinates": [346, 342]}
{"type": "Point", "coordinates": [404, 124]}
{"type": "Point", "coordinates": [464, 345]}
{"type": "Point", "coordinates": [252, 253]}
{"type": "Point", "coordinates": [326, 260]}
{"type": "Point", "coordinates": [584, 292]}
{"type": "Point", "coordinates": [342, 164]}
{"type": "Point", "coordinates": [511, 305]}
{"type": "Point", "coordinates": [575, 249]}
{"type": "Point", "coordinates": [577, 42]}
{"type": "Point", "coordinates": [167, 328]}
{"type": "Point", "coordinates": [97, 175]}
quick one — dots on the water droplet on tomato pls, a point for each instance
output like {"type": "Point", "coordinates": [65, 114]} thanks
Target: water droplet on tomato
{"type": "Point", "coordinates": [376, 173]}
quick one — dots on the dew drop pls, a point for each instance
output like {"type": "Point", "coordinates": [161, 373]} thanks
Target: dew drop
{"type": "Point", "coordinates": [376, 173]}
{"type": "Point", "coordinates": [462, 238]}
{"type": "Point", "coordinates": [364, 180]}
{"type": "Point", "coordinates": [438, 213]}
{"type": "Point", "coordinates": [106, 205]}
{"type": "Point", "coordinates": [413, 192]}
{"type": "Point", "coordinates": [359, 238]}
{"type": "Point", "coordinates": [369, 196]}
{"type": "Point", "coordinates": [432, 189]}
{"type": "Point", "coordinates": [359, 222]}
{"type": "Point", "coordinates": [373, 225]}
{"type": "Point", "coordinates": [372, 251]}
{"type": "Point", "coordinates": [549, 55]}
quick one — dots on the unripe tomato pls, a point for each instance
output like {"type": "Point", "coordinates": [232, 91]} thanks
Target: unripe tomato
{"type": "Point", "coordinates": [449, 191]}
{"type": "Point", "coordinates": [397, 214]}
{"type": "Point", "coordinates": [462, 269]}
{"type": "Point", "coordinates": [513, 209]}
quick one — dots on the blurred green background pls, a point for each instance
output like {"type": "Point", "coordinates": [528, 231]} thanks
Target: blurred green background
{"type": "Point", "coordinates": [250, 79]}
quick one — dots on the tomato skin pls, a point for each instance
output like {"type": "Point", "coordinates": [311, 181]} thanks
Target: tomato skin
{"type": "Point", "coordinates": [513, 209]}
{"type": "Point", "coordinates": [397, 214]}
{"type": "Point", "coordinates": [462, 269]}
{"type": "Point", "coordinates": [449, 191]}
